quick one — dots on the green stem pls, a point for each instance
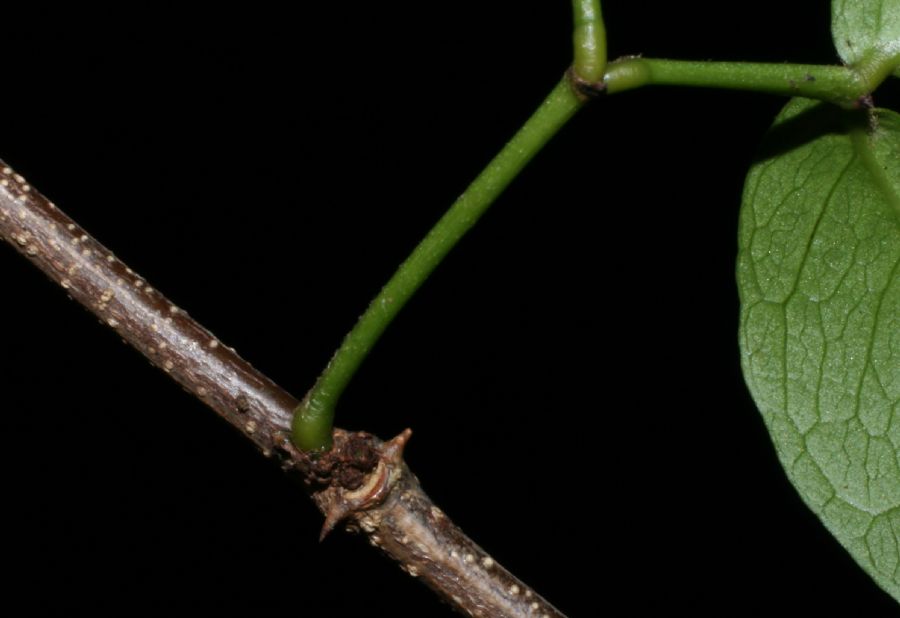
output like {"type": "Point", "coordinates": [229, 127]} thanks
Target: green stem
{"type": "Point", "coordinates": [589, 37]}
{"type": "Point", "coordinates": [313, 418]}
{"type": "Point", "coordinates": [836, 84]}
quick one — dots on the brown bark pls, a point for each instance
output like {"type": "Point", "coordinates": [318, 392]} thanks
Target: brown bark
{"type": "Point", "coordinates": [363, 482]}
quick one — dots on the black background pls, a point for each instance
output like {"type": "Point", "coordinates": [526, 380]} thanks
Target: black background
{"type": "Point", "coordinates": [571, 372]}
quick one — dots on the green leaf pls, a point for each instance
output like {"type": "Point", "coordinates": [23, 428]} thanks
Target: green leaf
{"type": "Point", "coordinates": [861, 28]}
{"type": "Point", "coordinates": [819, 278]}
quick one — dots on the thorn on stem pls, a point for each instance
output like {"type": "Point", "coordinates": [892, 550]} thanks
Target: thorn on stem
{"type": "Point", "coordinates": [374, 489]}
{"type": "Point", "coordinates": [336, 514]}
{"type": "Point", "coordinates": [393, 448]}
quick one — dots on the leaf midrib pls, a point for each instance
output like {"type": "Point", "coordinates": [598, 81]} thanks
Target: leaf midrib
{"type": "Point", "coordinates": [860, 140]}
